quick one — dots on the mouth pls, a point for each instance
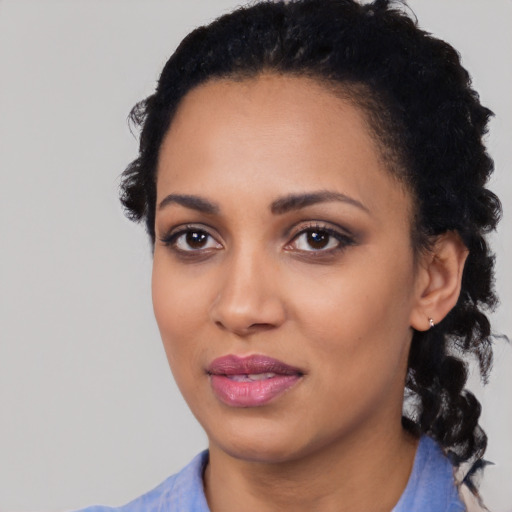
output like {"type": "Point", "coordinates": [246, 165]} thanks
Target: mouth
{"type": "Point", "coordinates": [251, 381]}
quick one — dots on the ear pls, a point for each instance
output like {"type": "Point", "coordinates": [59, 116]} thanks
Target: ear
{"type": "Point", "coordinates": [438, 281]}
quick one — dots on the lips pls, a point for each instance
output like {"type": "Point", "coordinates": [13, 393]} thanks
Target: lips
{"type": "Point", "coordinates": [250, 381]}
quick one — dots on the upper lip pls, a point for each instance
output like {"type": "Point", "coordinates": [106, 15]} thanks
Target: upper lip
{"type": "Point", "coordinates": [236, 365]}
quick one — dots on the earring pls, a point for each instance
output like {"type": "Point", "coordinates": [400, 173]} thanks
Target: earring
{"type": "Point", "coordinates": [431, 322]}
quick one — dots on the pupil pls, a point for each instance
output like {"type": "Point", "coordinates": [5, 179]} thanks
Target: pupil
{"type": "Point", "coordinates": [318, 239]}
{"type": "Point", "coordinates": [196, 239]}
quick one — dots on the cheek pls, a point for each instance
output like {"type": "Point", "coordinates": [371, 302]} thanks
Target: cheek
{"type": "Point", "coordinates": [359, 308]}
{"type": "Point", "coordinates": [354, 327]}
{"type": "Point", "coordinates": [178, 310]}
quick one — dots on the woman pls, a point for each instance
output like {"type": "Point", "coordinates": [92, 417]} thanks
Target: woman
{"type": "Point", "coordinates": [312, 178]}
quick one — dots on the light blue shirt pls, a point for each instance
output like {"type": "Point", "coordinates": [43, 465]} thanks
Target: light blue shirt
{"type": "Point", "coordinates": [431, 488]}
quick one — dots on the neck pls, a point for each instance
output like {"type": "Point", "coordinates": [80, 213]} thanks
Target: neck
{"type": "Point", "coordinates": [369, 472]}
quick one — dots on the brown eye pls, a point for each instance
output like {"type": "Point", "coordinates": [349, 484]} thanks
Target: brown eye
{"type": "Point", "coordinates": [318, 239]}
{"type": "Point", "coordinates": [192, 240]}
{"type": "Point", "coordinates": [196, 239]}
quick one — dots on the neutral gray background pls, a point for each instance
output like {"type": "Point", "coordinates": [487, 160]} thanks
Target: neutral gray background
{"type": "Point", "coordinates": [88, 409]}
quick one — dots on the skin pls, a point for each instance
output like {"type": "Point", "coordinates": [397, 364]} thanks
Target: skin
{"type": "Point", "coordinates": [341, 310]}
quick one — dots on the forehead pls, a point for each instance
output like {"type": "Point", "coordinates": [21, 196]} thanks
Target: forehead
{"type": "Point", "coordinates": [275, 111]}
{"type": "Point", "coordinates": [268, 132]}
{"type": "Point", "coordinates": [270, 101]}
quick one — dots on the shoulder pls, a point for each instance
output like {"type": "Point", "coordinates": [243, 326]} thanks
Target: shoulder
{"type": "Point", "coordinates": [433, 486]}
{"type": "Point", "coordinates": [182, 491]}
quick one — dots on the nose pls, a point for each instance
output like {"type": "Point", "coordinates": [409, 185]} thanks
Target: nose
{"type": "Point", "coordinates": [248, 301]}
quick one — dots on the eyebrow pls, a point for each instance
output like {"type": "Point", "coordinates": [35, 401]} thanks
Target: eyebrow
{"type": "Point", "coordinates": [298, 201]}
{"type": "Point", "coordinates": [193, 202]}
{"type": "Point", "coordinates": [278, 207]}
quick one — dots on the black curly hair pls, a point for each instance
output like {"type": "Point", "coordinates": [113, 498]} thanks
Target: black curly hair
{"type": "Point", "coordinates": [429, 123]}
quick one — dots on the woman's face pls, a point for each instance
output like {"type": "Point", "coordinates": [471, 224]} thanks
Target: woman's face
{"type": "Point", "coordinates": [284, 278]}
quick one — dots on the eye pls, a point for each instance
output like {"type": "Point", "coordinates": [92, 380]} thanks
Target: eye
{"type": "Point", "coordinates": [191, 239]}
{"type": "Point", "coordinates": [319, 239]}
{"type": "Point", "coordinates": [315, 240]}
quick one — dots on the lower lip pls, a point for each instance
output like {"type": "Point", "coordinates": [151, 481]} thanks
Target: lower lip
{"type": "Point", "coordinates": [251, 394]}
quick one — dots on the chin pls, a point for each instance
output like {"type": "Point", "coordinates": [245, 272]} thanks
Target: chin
{"type": "Point", "coordinates": [263, 442]}
{"type": "Point", "coordinates": [263, 452]}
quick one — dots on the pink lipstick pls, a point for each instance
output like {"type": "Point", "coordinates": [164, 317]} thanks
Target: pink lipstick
{"type": "Point", "coordinates": [250, 381]}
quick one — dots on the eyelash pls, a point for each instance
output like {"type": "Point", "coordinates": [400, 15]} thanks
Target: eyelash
{"type": "Point", "coordinates": [343, 241]}
{"type": "Point", "coordinates": [173, 237]}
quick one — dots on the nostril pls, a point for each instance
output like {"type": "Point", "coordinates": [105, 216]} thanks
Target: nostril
{"type": "Point", "coordinates": [245, 330]}
{"type": "Point", "coordinates": [220, 324]}
{"type": "Point", "coordinates": [261, 327]}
